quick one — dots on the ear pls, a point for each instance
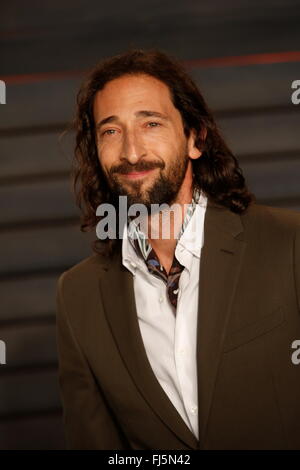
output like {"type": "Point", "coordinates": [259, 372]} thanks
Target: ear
{"type": "Point", "coordinates": [193, 151]}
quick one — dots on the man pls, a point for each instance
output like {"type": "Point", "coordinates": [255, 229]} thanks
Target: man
{"type": "Point", "coordinates": [183, 342]}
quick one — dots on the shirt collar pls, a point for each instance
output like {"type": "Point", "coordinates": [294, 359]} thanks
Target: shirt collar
{"type": "Point", "coordinates": [192, 238]}
{"type": "Point", "coordinates": [191, 235]}
{"type": "Point", "coordinates": [134, 232]}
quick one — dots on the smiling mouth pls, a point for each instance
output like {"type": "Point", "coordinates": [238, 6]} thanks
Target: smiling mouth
{"type": "Point", "coordinates": [138, 174]}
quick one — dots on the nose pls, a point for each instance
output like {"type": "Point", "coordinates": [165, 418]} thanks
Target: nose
{"type": "Point", "coordinates": [133, 147]}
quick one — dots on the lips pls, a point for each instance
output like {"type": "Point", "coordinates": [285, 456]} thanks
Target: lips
{"type": "Point", "coordinates": [137, 174]}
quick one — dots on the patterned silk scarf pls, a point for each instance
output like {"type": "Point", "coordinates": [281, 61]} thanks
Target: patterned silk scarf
{"type": "Point", "coordinates": [143, 248]}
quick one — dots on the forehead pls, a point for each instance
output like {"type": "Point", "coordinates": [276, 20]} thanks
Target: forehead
{"type": "Point", "coordinates": [131, 91]}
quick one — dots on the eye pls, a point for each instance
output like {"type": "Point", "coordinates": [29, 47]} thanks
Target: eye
{"type": "Point", "coordinates": [107, 131]}
{"type": "Point", "coordinates": [154, 122]}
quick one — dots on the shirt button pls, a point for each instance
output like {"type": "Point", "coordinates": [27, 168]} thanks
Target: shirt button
{"type": "Point", "coordinates": [194, 409]}
{"type": "Point", "coordinates": [161, 299]}
{"type": "Point", "coordinates": [175, 291]}
{"type": "Point", "coordinates": [161, 268]}
{"type": "Point", "coordinates": [181, 352]}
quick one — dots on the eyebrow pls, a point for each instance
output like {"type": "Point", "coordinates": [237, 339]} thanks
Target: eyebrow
{"type": "Point", "coordinates": [144, 113]}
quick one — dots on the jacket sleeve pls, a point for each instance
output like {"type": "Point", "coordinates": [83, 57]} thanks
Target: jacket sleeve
{"type": "Point", "coordinates": [88, 421]}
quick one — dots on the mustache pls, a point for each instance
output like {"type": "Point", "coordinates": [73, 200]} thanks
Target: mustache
{"type": "Point", "coordinates": [126, 168]}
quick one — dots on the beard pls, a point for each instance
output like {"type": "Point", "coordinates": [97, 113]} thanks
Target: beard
{"type": "Point", "coordinates": [162, 189]}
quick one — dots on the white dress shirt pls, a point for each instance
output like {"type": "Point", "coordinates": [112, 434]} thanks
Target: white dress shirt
{"type": "Point", "coordinates": [170, 340]}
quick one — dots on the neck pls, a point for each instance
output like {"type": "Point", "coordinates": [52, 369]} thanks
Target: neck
{"type": "Point", "coordinates": [164, 227]}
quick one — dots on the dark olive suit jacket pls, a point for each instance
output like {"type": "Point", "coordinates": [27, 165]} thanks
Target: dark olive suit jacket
{"type": "Point", "coordinates": [248, 318]}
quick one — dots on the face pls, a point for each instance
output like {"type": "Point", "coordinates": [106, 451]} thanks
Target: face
{"type": "Point", "coordinates": [141, 144]}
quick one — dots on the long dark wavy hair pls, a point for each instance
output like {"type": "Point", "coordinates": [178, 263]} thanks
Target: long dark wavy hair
{"type": "Point", "coordinates": [216, 173]}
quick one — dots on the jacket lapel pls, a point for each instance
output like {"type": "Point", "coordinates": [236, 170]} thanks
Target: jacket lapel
{"type": "Point", "coordinates": [120, 310]}
{"type": "Point", "coordinates": [221, 260]}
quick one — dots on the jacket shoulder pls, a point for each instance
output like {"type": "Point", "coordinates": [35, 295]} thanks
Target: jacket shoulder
{"type": "Point", "coordinates": [83, 274]}
{"type": "Point", "coordinates": [270, 217]}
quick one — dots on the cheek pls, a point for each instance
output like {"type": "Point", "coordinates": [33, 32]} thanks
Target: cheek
{"type": "Point", "coordinates": [161, 145]}
{"type": "Point", "coordinates": [106, 155]}
{"type": "Point", "coordinates": [161, 138]}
